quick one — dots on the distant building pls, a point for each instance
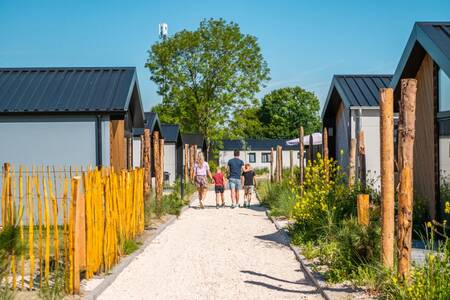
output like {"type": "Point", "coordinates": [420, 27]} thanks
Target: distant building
{"type": "Point", "coordinates": [257, 152]}
{"type": "Point", "coordinates": [426, 58]}
{"type": "Point", "coordinates": [68, 116]}
{"type": "Point", "coordinates": [353, 105]}
{"type": "Point", "coordinates": [195, 139]}
{"type": "Point", "coordinates": [173, 151]}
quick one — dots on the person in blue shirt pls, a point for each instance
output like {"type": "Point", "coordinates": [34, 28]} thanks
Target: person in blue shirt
{"type": "Point", "coordinates": [235, 166]}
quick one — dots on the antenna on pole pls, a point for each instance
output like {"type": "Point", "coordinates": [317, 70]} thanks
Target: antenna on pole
{"type": "Point", "coordinates": [163, 31]}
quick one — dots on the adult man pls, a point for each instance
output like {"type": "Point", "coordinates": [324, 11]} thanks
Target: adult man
{"type": "Point", "coordinates": [234, 177]}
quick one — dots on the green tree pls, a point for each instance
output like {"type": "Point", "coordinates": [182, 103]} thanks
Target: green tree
{"type": "Point", "coordinates": [284, 110]}
{"type": "Point", "coordinates": [205, 75]}
{"type": "Point", "coordinates": [245, 124]}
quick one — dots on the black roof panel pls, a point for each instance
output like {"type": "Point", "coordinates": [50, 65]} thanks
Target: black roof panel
{"type": "Point", "coordinates": [170, 132]}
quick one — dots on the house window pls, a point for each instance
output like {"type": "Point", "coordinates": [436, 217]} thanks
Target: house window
{"type": "Point", "coordinates": [252, 157]}
{"type": "Point", "coordinates": [265, 157]}
{"type": "Point", "coordinates": [444, 91]}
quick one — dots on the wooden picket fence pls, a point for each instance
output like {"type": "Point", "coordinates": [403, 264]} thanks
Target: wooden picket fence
{"type": "Point", "coordinates": [70, 221]}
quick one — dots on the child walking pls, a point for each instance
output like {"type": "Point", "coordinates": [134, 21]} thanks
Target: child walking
{"type": "Point", "coordinates": [249, 182]}
{"type": "Point", "coordinates": [219, 187]}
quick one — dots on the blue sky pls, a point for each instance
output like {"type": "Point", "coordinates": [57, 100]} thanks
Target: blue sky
{"type": "Point", "coordinates": [304, 42]}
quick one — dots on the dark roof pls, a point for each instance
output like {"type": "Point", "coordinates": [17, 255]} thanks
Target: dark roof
{"type": "Point", "coordinates": [426, 37]}
{"type": "Point", "coordinates": [194, 139]}
{"type": "Point", "coordinates": [256, 145]}
{"type": "Point", "coordinates": [171, 132]}
{"type": "Point", "coordinates": [152, 121]}
{"type": "Point", "coordinates": [355, 90]}
{"type": "Point", "coordinates": [67, 90]}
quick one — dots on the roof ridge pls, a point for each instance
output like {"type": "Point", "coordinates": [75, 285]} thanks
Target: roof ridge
{"type": "Point", "coordinates": [65, 68]}
{"type": "Point", "coordinates": [363, 75]}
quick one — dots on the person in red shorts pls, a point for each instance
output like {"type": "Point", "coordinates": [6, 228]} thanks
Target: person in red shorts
{"type": "Point", "coordinates": [219, 187]}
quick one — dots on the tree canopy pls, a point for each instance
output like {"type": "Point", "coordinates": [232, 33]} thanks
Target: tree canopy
{"type": "Point", "coordinates": [205, 76]}
{"type": "Point", "coordinates": [284, 110]}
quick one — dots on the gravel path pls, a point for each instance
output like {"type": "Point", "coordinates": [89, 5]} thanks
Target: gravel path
{"type": "Point", "coordinates": [215, 254]}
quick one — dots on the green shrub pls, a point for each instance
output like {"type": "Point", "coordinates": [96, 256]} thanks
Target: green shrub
{"type": "Point", "coordinates": [262, 171]}
{"type": "Point", "coordinates": [129, 246]}
{"type": "Point", "coordinates": [213, 165]}
{"type": "Point", "coordinates": [278, 197]}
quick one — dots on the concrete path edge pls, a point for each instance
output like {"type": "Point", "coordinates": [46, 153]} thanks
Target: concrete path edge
{"type": "Point", "coordinates": [124, 262]}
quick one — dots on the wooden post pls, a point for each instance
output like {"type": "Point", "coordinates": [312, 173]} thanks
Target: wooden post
{"type": "Point", "coordinates": [186, 162]}
{"type": "Point", "coordinates": [141, 164]}
{"type": "Point", "coordinates": [406, 132]}
{"type": "Point", "coordinates": [302, 158]}
{"type": "Point", "coordinates": [291, 163]}
{"type": "Point", "coordinates": [271, 164]}
{"type": "Point", "coordinates": [387, 176]}
{"type": "Point", "coordinates": [129, 153]}
{"type": "Point", "coordinates": [280, 163]}
{"type": "Point", "coordinates": [161, 154]}
{"type": "Point", "coordinates": [311, 148]}
{"type": "Point", "coordinates": [147, 162]}
{"type": "Point", "coordinates": [362, 160]}
{"type": "Point", "coordinates": [325, 151]}
{"type": "Point", "coordinates": [351, 163]}
{"type": "Point", "coordinates": [363, 209]}
{"type": "Point", "coordinates": [191, 162]}
{"type": "Point", "coordinates": [78, 232]}
{"type": "Point", "coordinates": [157, 160]}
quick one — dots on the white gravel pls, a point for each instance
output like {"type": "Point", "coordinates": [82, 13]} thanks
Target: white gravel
{"type": "Point", "coordinates": [215, 254]}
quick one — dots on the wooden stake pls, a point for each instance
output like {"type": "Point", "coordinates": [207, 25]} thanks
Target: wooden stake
{"type": "Point", "coordinates": [311, 148]}
{"type": "Point", "coordinates": [387, 176]}
{"type": "Point", "coordinates": [302, 158]}
{"type": "Point", "coordinates": [363, 209]}
{"type": "Point", "coordinates": [130, 153]}
{"type": "Point", "coordinates": [77, 232]}
{"type": "Point", "coordinates": [161, 154]}
{"type": "Point", "coordinates": [186, 162]}
{"type": "Point", "coordinates": [191, 162]}
{"type": "Point", "coordinates": [147, 162]}
{"type": "Point", "coordinates": [362, 160]}
{"type": "Point", "coordinates": [351, 163]}
{"type": "Point", "coordinates": [406, 132]}
{"type": "Point", "coordinates": [271, 164]}
{"type": "Point", "coordinates": [291, 163]}
{"type": "Point", "coordinates": [157, 160]}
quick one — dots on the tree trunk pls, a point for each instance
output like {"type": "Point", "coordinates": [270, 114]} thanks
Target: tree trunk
{"type": "Point", "coordinates": [161, 155]}
{"type": "Point", "coordinates": [129, 153]}
{"type": "Point", "coordinates": [387, 177]}
{"type": "Point", "coordinates": [271, 164]}
{"type": "Point", "coordinates": [157, 160]}
{"type": "Point", "coordinates": [362, 160]}
{"type": "Point", "coordinates": [186, 162]}
{"type": "Point", "coordinates": [351, 163]}
{"type": "Point", "coordinates": [406, 132]}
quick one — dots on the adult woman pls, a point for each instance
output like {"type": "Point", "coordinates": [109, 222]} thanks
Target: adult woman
{"type": "Point", "coordinates": [201, 170]}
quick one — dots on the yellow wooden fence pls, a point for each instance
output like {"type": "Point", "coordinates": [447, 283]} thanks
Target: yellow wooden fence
{"type": "Point", "coordinates": [70, 221]}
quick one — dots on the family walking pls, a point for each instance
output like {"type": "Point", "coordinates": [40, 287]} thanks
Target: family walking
{"type": "Point", "coordinates": [237, 174]}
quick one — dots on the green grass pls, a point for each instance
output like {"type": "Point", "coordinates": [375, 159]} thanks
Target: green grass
{"type": "Point", "coordinates": [129, 246]}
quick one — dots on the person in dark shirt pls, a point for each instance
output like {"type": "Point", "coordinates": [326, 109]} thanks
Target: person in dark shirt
{"type": "Point", "coordinates": [234, 178]}
{"type": "Point", "coordinates": [219, 187]}
{"type": "Point", "coordinates": [249, 182]}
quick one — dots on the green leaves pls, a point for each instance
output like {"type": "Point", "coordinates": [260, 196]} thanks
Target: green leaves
{"type": "Point", "coordinates": [205, 75]}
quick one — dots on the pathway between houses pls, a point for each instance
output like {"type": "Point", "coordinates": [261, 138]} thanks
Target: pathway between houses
{"type": "Point", "coordinates": [215, 254]}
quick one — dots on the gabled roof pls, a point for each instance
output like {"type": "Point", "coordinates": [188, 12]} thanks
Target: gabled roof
{"type": "Point", "coordinates": [194, 139]}
{"type": "Point", "coordinates": [152, 121]}
{"type": "Point", "coordinates": [171, 133]}
{"type": "Point", "coordinates": [426, 37]}
{"type": "Point", "coordinates": [69, 90]}
{"type": "Point", "coordinates": [355, 91]}
{"type": "Point", "coordinates": [256, 145]}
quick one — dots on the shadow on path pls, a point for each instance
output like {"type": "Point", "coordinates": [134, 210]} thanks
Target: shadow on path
{"type": "Point", "coordinates": [275, 237]}
{"type": "Point", "coordinates": [277, 288]}
{"type": "Point", "coordinates": [300, 282]}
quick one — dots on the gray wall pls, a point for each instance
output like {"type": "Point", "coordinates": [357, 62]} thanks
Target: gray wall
{"type": "Point", "coordinates": [51, 140]}
{"type": "Point", "coordinates": [170, 160]}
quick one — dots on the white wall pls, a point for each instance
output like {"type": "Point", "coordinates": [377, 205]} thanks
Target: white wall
{"type": "Point", "coordinates": [225, 156]}
{"type": "Point", "coordinates": [136, 152]}
{"type": "Point", "coordinates": [342, 135]}
{"type": "Point", "coordinates": [170, 160]}
{"type": "Point", "coordinates": [369, 121]}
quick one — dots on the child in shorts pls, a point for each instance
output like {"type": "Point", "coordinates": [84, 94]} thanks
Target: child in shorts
{"type": "Point", "coordinates": [249, 182]}
{"type": "Point", "coordinates": [219, 187]}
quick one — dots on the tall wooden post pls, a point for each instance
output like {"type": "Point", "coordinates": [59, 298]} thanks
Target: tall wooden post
{"type": "Point", "coordinates": [291, 163]}
{"type": "Point", "coordinates": [302, 157]}
{"type": "Point", "coordinates": [406, 132]}
{"type": "Point", "coordinates": [271, 164]}
{"type": "Point", "coordinates": [78, 233]}
{"type": "Point", "coordinates": [311, 148]}
{"type": "Point", "coordinates": [157, 162]}
{"type": "Point", "coordinates": [192, 161]}
{"type": "Point", "coordinates": [186, 162]}
{"type": "Point", "coordinates": [130, 153]}
{"type": "Point", "coordinates": [362, 160]}
{"type": "Point", "coordinates": [279, 163]}
{"type": "Point", "coordinates": [147, 162]}
{"type": "Point", "coordinates": [161, 156]}
{"type": "Point", "coordinates": [325, 151]}
{"type": "Point", "coordinates": [387, 176]}
{"type": "Point", "coordinates": [351, 163]}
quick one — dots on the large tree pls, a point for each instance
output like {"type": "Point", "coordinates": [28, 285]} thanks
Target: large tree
{"type": "Point", "coordinates": [284, 110]}
{"type": "Point", "coordinates": [206, 75]}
